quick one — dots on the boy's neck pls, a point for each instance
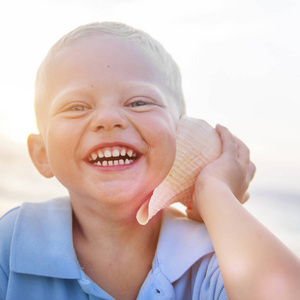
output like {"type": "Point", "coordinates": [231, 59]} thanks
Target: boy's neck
{"type": "Point", "coordinates": [96, 223]}
{"type": "Point", "coordinates": [97, 231]}
{"type": "Point", "coordinates": [107, 248]}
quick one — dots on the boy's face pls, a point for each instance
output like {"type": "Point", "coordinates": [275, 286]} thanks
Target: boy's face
{"type": "Point", "coordinates": [106, 98]}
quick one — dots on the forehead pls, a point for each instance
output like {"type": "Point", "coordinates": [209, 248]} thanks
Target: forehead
{"type": "Point", "coordinates": [103, 59]}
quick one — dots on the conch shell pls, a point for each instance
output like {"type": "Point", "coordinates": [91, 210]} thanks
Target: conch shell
{"type": "Point", "coordinates": [197, 144]}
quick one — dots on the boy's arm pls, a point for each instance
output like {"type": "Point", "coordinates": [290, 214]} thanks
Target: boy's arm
{"type": "Point", "coordinates": [253, 262]}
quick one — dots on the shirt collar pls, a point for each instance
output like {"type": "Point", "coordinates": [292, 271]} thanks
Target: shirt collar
{"type": "Point", "coordinates": [42, 240]}
{"type": "Point", "coordinates": [182, 242]}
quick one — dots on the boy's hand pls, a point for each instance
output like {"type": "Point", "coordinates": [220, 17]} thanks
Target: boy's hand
{"type": "Point", "coordinates": [232, 169]}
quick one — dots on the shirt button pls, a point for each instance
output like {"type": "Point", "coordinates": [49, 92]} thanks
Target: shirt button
{"type": "Point", "coordinates": [159, 292]}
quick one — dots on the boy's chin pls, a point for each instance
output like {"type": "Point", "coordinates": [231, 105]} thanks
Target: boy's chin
{"type": "Point", "coordinates": [112, 194]}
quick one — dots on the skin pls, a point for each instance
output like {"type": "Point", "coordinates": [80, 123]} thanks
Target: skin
{"type": "Point", "coordinates": [103, 92]}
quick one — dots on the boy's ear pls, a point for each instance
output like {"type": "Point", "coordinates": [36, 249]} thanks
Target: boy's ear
{"type": "Point", "coordinates": [38, 154]}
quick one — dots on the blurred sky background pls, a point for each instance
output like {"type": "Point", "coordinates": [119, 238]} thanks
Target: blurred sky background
{"type": "Point", "coordinates": [240, 62]}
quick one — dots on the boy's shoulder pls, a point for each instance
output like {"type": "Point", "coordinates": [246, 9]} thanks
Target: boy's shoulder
{"type": "Point", "coordinates": [182, 241]}
{"type": "Point", "coordinates": [8, 219]}
{"type": "Point", "coordinates": [32, 211]}
{"type": "Point", "coordinates": [32, 214]}
{"type": "Point", "coordinates": [23, 222]}
{"type": "Point", "coordinates": [7, 224]}
{"type": "Point", "coordinates": [178, 228]}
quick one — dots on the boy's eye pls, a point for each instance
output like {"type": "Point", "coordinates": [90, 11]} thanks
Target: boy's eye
{"type": "Point", "coordinates": [142, 104]}
{"type": "Point", "coordinates": [77, 108]}
{"type": "Point", "coordinates": [73, 109]}
{"type": "Point", "coordinates": [138, 103]}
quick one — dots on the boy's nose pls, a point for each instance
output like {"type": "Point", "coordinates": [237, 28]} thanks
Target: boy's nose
{"type": "Point", "coordinates": [108, 119]}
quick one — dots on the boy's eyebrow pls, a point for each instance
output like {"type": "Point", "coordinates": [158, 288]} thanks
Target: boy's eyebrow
{"type": "Point", "coordinates": [67, 92]}
{"type": "Point", "coordinates": [141, 84]}
{"type": "Point", "coordinates": [155, 90]}
{"type": "Point", "coordinates": [128, 85]}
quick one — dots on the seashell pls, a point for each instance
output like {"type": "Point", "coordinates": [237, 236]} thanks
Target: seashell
{"type": "Point", "coordinates": [197, 144]}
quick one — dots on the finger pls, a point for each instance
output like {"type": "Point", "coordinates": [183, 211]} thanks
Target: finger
{"type": "Point", "coordinates": [250, 172]}
{"type": "Point", "coordinates": [228, 140]}
{"type": "Point", "coordinates": [246, 198]}
{"type": "Point", "coordinates": [243, 152]}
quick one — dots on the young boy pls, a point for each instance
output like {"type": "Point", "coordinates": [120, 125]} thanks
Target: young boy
{"type": "Point", "coordinates": [108, 101]}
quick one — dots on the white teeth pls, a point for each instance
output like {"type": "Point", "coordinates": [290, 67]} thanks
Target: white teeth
{"type": "Point", "coordinates": [114, 162]}
{"type": "Point", "coordinates": [107, 153]}
{"type": "Point", "coordinates": [100, 154]}
{"type": "Point", "coordinates": [123, 152]}
{"type": "Point", "coordinates": [94, 156]}
{"type": "Point", "coordinates": [130, 152]}
{"type": "Point", "coordinates": [112, 152]}
{"type": "Point", "coordinates": [116, 153]}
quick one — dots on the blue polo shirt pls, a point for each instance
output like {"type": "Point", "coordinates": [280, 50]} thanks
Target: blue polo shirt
{"type": "Point", "coordinates": [38, 260]}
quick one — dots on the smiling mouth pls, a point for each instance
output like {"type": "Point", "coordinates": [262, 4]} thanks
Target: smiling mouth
{"type": "Point", "coordinates": [113, 156]}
